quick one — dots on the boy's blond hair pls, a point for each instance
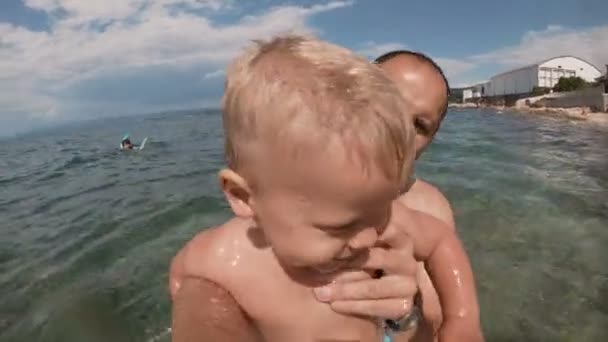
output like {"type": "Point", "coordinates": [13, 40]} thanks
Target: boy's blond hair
{"type": "Point", "coordinates": [302, 92]}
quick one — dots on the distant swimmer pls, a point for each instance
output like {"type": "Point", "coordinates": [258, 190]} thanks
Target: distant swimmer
{"type": "Point", "coordinates": [126, 144]}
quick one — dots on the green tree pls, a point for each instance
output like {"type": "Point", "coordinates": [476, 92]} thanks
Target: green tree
{"type": "Point", "coordinates": [570, 84]}
{"type": "Point", "coordinates": [536, 91]}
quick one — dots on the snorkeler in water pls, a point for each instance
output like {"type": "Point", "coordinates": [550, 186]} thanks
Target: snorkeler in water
{"type": "Point", "coordinates": [126, 143]}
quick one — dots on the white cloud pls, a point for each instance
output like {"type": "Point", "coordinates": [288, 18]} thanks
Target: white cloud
{"type": "Point", "coordinates": [214, 74]}
{"type": "Point", "coordinates": [454, 67]}
{"type": "Point", "coordinates": [91, 39]}
{"type": "Point", "coordinates": [320, 8]}
{"type": "Point", "coordinates": [590, 44]}
{"type": "Point", "coordinates": [81, 11]}
{"type": "Point", "coordinates": [373, 50]}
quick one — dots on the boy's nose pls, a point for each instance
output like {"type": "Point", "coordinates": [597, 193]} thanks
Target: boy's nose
{"type": "Point", "coordinates": [364, 239]}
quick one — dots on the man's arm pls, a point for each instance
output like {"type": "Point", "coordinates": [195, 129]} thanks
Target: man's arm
{"type": "Point", "coordinates": [203, 311]}
{"type": "Point", "coordinates": [449, 268]}
{"type": "Point", "coordinates": [441, 207]}
{"type": "Point", "coordinates": [426, 198]}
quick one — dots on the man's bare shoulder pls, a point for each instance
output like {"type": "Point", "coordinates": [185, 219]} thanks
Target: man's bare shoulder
{"type": "Point", "coordinates": [208, 254]}
{"type": "Point", "coordinates": [427, 198]}
{"type": "Point", "coordinates": [427, 190]}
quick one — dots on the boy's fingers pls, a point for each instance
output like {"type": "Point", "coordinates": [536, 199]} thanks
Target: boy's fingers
{"type": "Point", "coordinates": [387, 287]}
{"type": "Point", "coordinates": [385, 308]}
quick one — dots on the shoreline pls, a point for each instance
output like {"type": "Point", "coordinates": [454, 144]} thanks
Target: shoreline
{"type": "Point", "coordinates": [573, 113]}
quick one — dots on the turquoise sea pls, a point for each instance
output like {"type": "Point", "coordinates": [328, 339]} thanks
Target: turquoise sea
{"type": "Point", "coordinates": [87, 232]}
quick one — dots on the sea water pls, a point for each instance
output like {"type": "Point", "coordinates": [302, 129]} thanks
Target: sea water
{"type": "Point", "coordinates": [87, 231]}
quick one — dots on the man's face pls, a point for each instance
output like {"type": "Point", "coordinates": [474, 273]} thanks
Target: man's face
{"type": "Point", "coordinates": [424, 88]}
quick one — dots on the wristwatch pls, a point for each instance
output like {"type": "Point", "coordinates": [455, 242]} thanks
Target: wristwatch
{"type": "Point", "coordinates": [405, 323]}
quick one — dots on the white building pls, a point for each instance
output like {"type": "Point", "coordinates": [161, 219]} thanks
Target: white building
{"type": "Point", "coordinates": [467, 94]}
{"type": "Point", "coordinates": [543, 74]}
{"type": "Point", "coordinates": [475, 91]}
{"type": "Point", "coordinates": [479, 90]}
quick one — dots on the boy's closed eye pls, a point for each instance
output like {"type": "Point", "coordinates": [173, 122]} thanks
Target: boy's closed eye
{"type": "Point", "coordinates": [353, 225]}
{"type": "Point", "coordinates": [339, 228]}
{"type": "Point", "coordinates": [423, 126]}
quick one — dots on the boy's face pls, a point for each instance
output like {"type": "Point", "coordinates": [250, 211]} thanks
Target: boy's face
{"type": "Point", "coordinates": [321, 211]}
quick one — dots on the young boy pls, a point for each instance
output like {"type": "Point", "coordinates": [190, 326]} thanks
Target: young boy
{"type": "Point", "coordinates": [318, 148]}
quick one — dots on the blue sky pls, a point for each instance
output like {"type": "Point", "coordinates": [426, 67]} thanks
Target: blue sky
{"type": "Point", "coordinates": [65, 60]}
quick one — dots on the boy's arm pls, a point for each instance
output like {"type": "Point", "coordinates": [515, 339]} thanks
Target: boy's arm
{"type": "Point", "coordinates": [204, 311]}
{"type": "Point", "coordinates": [439, 247]}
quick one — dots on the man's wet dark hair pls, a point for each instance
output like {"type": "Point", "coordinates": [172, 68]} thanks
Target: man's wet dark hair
{"type": "Point", "coordinates": [421, 57]}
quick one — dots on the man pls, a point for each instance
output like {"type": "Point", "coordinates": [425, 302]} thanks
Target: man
{"type": "Point", "coordinates": [423, 84]}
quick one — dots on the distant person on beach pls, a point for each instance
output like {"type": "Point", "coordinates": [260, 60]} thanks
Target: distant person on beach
{"type": "Point", "coordinates": [423, 84]}
{"type": "Point", "coordinates": [319, 143]}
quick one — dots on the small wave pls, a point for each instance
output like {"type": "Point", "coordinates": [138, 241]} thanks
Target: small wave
{"type": "Point", "coordinates": [158, 143]}
{"type": "Point", "coordinates": [12, 201]}
{"type": "Point", "coordinates": [30, 150]}
{"type": "Point", "coordinates": [75, 161]}
{"type": "Point", "coordinates": [53, 201]}
{"type": "Point", "coordinates": [13, 179]}
{"type": "Point", "coordinates": [70, 148]}
{"type": "Point", "coordinates": [50, 176]}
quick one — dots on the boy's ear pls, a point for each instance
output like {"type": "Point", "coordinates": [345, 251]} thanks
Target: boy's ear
{"type": "Point", "coordinates": [237, 193]}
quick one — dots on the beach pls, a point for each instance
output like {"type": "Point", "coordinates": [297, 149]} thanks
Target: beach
{"type": "Point", "coordinates": [87, 232]}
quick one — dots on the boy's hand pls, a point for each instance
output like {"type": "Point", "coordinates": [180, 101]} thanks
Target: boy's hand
{"type": "Point", "coordinates": [390, 296]}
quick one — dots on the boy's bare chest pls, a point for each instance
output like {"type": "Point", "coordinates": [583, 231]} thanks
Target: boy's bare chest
{"type": "Point", "coordinates": [286, 311]}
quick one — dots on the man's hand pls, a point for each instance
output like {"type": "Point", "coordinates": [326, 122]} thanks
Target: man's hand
{"type": "Point", "coordinates": [388, 295]}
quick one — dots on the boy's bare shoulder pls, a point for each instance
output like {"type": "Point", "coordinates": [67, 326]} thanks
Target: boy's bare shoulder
{"type": "Point", "coordinates": [202, 280]}
{"type": "Point", "coordinates": [211, 251]}
{"type": "Point", "coordinates": [427, 198]}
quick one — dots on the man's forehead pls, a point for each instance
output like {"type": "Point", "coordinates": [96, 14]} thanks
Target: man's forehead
{"type": "Point", "coordinates": [409, 66]}
{"type": "Point", "coordinates": [408, 71]}
{"type": "Point", "coordinates": [420, 84]}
